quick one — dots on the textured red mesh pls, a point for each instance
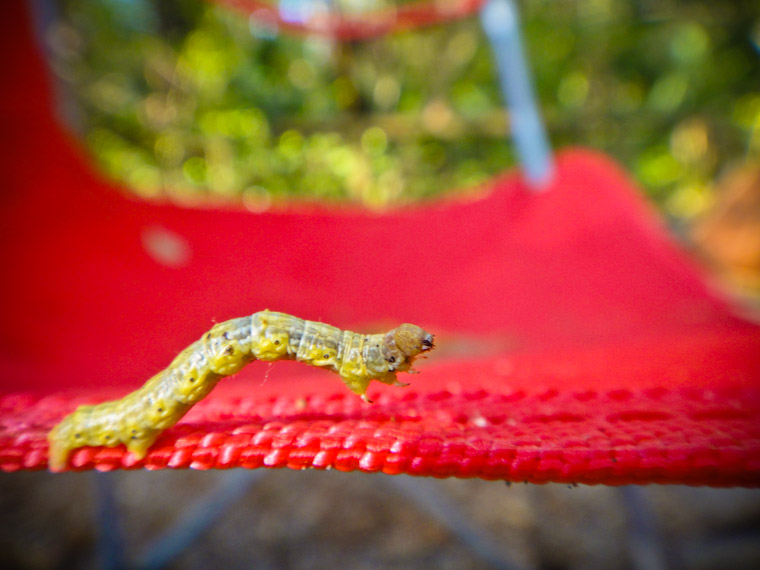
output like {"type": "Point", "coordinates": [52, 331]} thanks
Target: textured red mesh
{"type": "Point", "coordinates": [575, 341]}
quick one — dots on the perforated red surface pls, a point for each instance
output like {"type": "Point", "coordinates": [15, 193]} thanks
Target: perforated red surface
{"type": "Point", "coordinates": [575, 341]}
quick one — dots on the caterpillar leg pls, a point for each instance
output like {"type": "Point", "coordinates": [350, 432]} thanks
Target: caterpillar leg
{"type": "Point", "coordinates": [58, 450]}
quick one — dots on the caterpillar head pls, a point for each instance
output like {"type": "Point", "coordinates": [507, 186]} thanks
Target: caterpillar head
{"type": "Point", "coordinates": [403, 344]}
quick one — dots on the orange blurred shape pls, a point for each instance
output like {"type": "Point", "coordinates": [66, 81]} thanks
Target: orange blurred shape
{"type": "Point", "coordinates": [728, 234]}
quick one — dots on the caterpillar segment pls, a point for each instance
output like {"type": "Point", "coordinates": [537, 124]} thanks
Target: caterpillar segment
{"type": "Point", "coordinates": [137, 419]}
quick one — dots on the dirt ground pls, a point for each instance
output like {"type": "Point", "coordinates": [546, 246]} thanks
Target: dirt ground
{"type": "Point", "coordinates": [311, 519]}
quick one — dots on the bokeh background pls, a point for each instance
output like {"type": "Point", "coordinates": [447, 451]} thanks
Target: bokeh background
{"type": "Point", "coordinates": [197, 100]}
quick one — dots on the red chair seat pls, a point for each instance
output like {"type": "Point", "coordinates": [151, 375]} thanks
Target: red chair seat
{"type": "Point", "coordinates": [576, 342]}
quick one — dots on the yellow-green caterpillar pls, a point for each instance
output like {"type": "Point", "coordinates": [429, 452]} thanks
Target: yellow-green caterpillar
{"type": "Point", "coordinates": [137, 419]}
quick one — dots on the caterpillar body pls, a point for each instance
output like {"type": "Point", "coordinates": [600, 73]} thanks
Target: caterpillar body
{"type": "Point", "coordinates": [138, 419]}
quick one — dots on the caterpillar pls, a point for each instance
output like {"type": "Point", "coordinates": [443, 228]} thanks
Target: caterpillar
{"type": "Point", "coordinates": [137, 419]}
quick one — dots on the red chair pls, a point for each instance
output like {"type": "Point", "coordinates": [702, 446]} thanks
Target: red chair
{"type": "Point", "coordinates": [576, 342]}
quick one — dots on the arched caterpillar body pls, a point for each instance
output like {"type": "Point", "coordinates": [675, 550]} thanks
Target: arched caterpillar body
{"type": "Point", "coordinates": [137, 419]}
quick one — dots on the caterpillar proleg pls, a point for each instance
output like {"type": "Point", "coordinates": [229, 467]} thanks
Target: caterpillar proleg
{"type": "Point", "coordinates": [137, 419]}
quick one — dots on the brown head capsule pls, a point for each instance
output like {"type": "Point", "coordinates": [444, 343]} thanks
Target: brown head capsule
{"type": "Point", "coordinates": [403, 344]}
{"type": "Point", "coordinates": [412, 340]}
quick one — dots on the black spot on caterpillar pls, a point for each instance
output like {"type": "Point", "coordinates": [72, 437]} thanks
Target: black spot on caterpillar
{"type": "Point", "coordinates": [137, 419]}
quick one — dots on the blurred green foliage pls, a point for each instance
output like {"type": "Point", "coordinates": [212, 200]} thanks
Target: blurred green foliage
{"type": "Point", "coordinates": [187, 99]}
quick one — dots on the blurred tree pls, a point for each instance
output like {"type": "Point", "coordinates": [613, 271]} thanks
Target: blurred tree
{"type": "Point", "coordinates": [187, 99]}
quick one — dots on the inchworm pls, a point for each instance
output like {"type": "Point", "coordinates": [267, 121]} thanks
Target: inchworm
{"type": "Point", "coordinates": [137, 419]}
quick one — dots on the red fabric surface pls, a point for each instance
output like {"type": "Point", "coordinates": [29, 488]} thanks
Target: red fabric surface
{"type": "Point", "coordinates": [575, 341]}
